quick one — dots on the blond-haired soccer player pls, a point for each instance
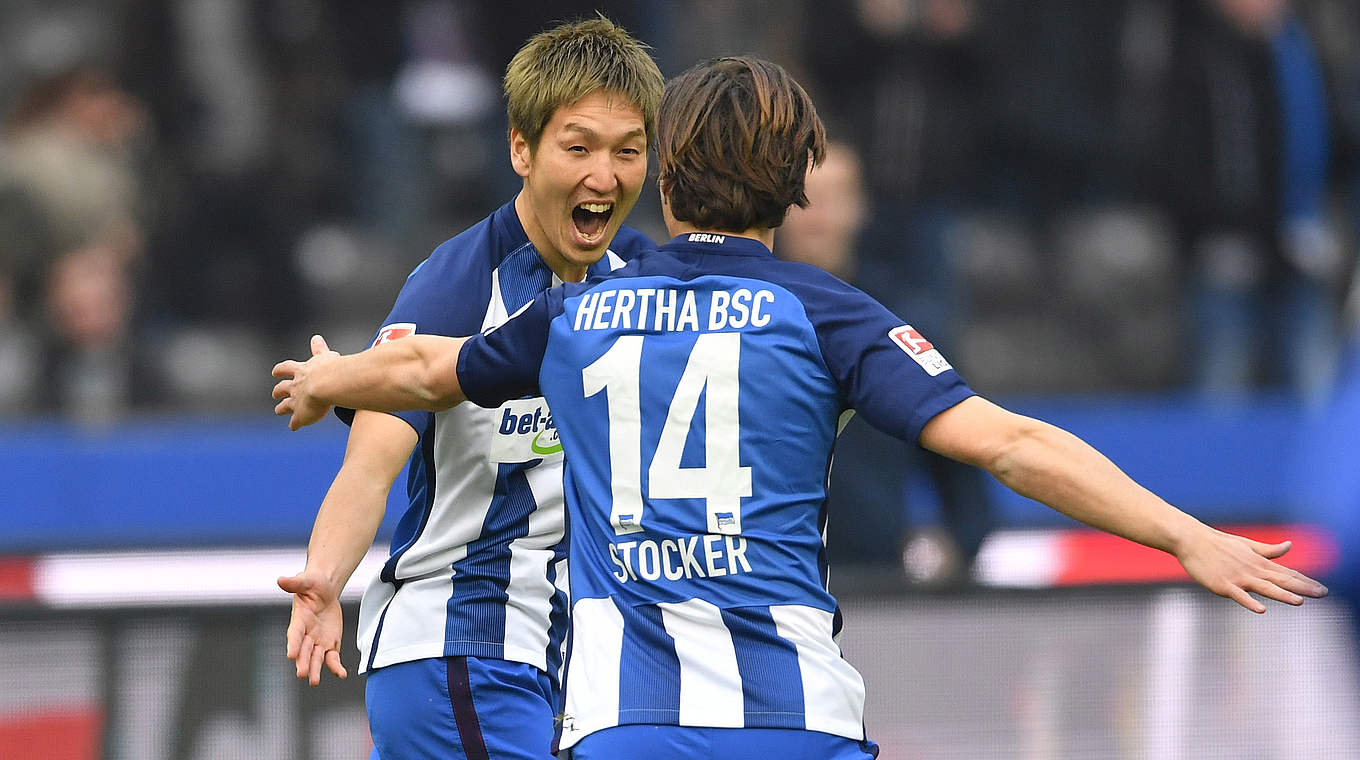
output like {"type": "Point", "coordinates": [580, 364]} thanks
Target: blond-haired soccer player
{"type": "Point", "coordinates": [697, 392]}
{"type": "Point", "coordinates": [461, 632]}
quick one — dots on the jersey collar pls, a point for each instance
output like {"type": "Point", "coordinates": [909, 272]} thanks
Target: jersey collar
{"type": "Point", "coordinates": [512, 237]}
{"type": "Point", "coordinates": [714, 242]}
{"type": "Point", "coordinates": [508, 228]}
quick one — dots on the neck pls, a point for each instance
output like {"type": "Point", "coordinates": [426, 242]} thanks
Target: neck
{"type": "Point", "coordinates": [565, 270]}
{"type": "Point", "coordinates": [761, 234]}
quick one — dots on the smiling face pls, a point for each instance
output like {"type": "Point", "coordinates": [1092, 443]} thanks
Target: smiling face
{"type": "Point", "coordinates": [581, 180]}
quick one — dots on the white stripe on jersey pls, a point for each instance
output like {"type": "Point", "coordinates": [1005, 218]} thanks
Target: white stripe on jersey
{"type": "Point", "coordinates": [833, 691]}
{"type": "Point", "coordinates": [593, 674]}
{"type": "Point", "coordinates": [530, 592]}
{"type": "Point", "coordinates": [464, 486]}
{"type": "Point", "coordinates": [710, 689]}
{"type": "Point", "coordinates": [710, 684]}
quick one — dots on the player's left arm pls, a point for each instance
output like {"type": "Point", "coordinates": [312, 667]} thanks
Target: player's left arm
{"type": "Point", "coordinates": [416, 372]}
{"type": "Point", "coordinates": [1055, 467]}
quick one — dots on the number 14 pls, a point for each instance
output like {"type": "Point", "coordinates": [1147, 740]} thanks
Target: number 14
{"type": "Point", "coordinates": [722, 481]}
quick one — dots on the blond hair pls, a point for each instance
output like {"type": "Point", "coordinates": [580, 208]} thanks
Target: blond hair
{"type": "Point", "coordinates": [560, 66]}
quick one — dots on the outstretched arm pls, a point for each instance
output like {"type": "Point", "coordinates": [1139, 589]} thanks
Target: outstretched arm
{"type": "Point", "coordinates": [416, 372]}
{"type": "Point", "coordinates": [379, 445]}
{"type": "Point", "coordinates": [1052, 466]}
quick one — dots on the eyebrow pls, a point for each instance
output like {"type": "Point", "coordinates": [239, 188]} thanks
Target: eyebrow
{"type": "Point", "coordinates": [587, 131]}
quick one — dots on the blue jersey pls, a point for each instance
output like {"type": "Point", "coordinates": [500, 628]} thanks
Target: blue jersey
{"type": "Point", "coordinates": [477, 565]}
{"type": "Point", "coordinates": [698, 393]}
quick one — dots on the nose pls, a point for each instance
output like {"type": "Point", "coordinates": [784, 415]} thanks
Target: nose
{"type": "Point", "coordinates": [602, 176]}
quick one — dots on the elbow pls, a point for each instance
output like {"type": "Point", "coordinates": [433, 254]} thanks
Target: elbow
{"type": "Point", "coordinates": [1011, 459]}
{"type": "Point", "coordinates": [436, 387]}
{"type": "Point", "coordinates": [428, 392]}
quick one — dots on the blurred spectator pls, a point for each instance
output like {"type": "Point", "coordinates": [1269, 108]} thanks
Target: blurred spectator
{"type": "Point", "coordinates": [93, 370]}
{"type": "Point", "coordinates": [869, 495]}
{"type": "Point", "coordinates": [907, 79]}
{"type": "Point", "coordinates": [68, 157]}
{"type": "Point", "coordinates": [72, 209]}
{"type": "Point", "coordinates": [1065, 120]}
{"type": "Point", "coordinates": [18, 352]}
{"type": "Point", "coordinates": [1249, 159]}
{"type": "Point", "coordinates": [281, 162]}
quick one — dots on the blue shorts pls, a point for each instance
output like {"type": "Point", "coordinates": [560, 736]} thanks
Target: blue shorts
{"type": "Point", "coordinates": [690, 743]}
{"type": "Point", "coordinates": [460, 707]}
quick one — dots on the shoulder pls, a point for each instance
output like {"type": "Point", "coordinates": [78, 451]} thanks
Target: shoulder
{"type": "Point", "coordinates": [629, 243]}
{"type": "Point", "coordinates": [448, 293]}
{"type": "Point", "coordinates": [473, 248]}
{"type": "Point", "coordinates": [818, 290]}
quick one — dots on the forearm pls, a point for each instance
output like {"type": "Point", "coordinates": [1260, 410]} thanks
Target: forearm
{"type": "Point", "coordinates": [1052, 466]}
{"type": "Point", "coordinates": [346, 525]}
{"type": "Point", "coordinates": [349, 517]}
{"type": "Point", "coordinates": [416, 372]}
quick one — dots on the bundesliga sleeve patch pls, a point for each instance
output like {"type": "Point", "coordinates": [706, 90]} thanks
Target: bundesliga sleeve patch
{"type": "Point", "coordinates": [391, 332]}
{"type": "Point", "coordinates": [922, 351]}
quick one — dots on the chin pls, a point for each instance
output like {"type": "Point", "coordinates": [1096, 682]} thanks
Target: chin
{"type": "Point", "coordinates": [584, 255]}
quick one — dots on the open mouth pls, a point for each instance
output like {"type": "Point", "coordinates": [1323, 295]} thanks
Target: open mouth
{"type": "Point", "coordinates": [591, 217]}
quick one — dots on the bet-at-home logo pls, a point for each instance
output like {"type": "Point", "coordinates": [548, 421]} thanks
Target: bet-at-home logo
{"type": "Point", "coordinates": [524, 432]}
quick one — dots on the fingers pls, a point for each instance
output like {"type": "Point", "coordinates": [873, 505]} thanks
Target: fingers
{"type": "Point", "coordinates": [286, 368]}
{"type": "Point", "coordinates": [283, 389]}
{"type": "Point", "coordinates": [318, 656]}
{"type": "Point", "coordinates": [304, 658]}
{"type": "Point", "coordinates": [333, 662]}
{"type": "Point", "coordinates": [1240, 595]}
{"type": "Point", "coordinates": [1298, 583]}
{"type": "Point", "coordinates": [292, 583]}
{"type": "Point", "coordinates": [293, 640]}
{"type": "Point", "coordinates": [1272, 551]}
{"type": "Point", "coordinates": [319, 345]}
{"type": "Point", "coordinates": [1272, 590]}
{"type": "Point", "coordinates": [1287, 586]}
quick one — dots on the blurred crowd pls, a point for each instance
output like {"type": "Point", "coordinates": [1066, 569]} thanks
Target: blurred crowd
{"type": "Point", "coordinates": [1124, 196]}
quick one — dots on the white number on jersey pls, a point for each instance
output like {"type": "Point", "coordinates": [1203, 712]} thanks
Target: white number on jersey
{"type": "Point", "coordinates": [722, 481]}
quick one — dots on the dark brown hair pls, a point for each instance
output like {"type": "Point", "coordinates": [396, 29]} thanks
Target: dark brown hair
{"type": "Point", "coordinates": [735, 138]}
{"type": "Point", "coordinates": [560, 66]}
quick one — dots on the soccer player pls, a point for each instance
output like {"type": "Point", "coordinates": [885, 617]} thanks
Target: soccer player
{"type": "Point", "coordinates": [461, 632]}
{"type": "Point", "coordinates": [698, 392]}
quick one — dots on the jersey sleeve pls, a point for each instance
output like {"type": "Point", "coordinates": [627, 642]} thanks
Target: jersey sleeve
{"type": "Point", "coordinates": [503, 363]}
{"type": "Point", "coordinates": [444, 295]}
{"type": "Point", "coordinates": [886, 370]}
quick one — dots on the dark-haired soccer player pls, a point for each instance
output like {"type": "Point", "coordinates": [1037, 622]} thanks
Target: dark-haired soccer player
{"type": "Point", "coordinates": [461, 633]}
{"type": "Point", "coordinates": [697, 393]}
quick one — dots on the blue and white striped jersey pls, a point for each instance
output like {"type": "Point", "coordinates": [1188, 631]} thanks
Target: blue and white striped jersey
{"type": "Point", "coordinates": [698, 392]}
{"type": "Point", "coordinates": [478, 563]}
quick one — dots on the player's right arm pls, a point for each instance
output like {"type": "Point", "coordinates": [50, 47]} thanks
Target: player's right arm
{"type": "Point", "coordinates": [346, 524]}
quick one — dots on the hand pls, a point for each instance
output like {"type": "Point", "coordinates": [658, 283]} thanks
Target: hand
{"type": "Point", "coordinates": [294, 389]}
{"type": "Point", "coordinates": [1231, 566]}
{"type": "Point", "coordinates": [315, 627]}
